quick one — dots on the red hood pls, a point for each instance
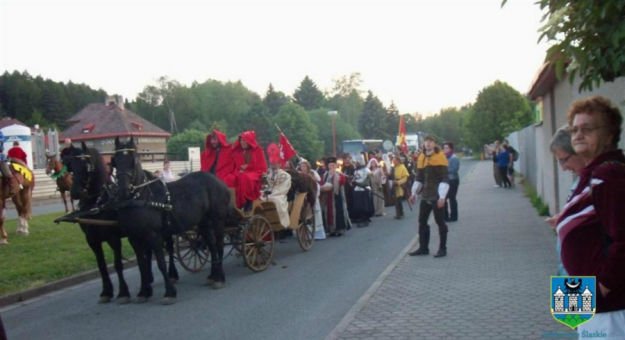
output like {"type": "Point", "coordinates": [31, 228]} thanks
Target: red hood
{"type": "Point", "coordinates": [220, 136]}
{"type": "Point", "coordinates": [249, 137]}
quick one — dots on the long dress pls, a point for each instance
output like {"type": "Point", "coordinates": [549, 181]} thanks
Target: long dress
{"type": "Point", "coordinates": [320, 233]}
{"type": "Point", "coordinates": [334, 205]}
{"type": "Point", "coordinates": [362, 205]}
{"type": "Point", "coordinates": [378, 192]}
{"type": "Point", "coordinates": [279, 183]}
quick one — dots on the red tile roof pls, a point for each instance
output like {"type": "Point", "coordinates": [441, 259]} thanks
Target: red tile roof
{"type": "Point", "coordinates": [98, 121]}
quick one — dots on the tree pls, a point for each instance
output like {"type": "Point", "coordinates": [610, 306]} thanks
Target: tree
{"type": "Point", "coordinates": [301, 132]}
{"type": "Point", "coordinates": [345, 85]}
{"type": "Point", "coordinates": [498, 111]}
{"type": "Point", "coordinates": [372, 123]}
{"type": "Point", "coordinates": [323, 122]}
{"type": "Point", "coordinates": [274, 100]}
{"type": "Point", "coordinates": [37, 119]}
{"type": "Point", "coordinates": [392, 120]}
{"type": "Point", "coordinates": [307, 95]}
{"type": "Point", "coordinates": [178, 145]}
{"type": "Point", "coordinates": [589, 35]}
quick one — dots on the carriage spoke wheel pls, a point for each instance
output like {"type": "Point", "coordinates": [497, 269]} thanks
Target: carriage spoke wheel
{"type": "Point", "coordinates": [257, 243]}
{"type": "Point", "coordinates": [191, 251]}
{"type": "Point", "coordinates": [306, 230]}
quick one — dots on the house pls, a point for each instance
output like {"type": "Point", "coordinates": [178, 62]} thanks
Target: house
{"type": "Point", "coordinates": [98, 125]}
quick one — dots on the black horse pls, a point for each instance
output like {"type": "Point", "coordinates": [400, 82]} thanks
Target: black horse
{"type": "Point", "coordinates": [198, 199]}
{"type": "Point", "coordinates": [90, 177]}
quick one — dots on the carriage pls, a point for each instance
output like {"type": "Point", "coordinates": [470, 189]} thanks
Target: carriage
{"type": "Point", "coordinates": [254, 236]}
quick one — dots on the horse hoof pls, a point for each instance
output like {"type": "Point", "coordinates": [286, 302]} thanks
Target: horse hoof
{"type": "Point", "coordinates": [104, 299]}
{"type": "Point", "coordinates": [141, 299]}
{"type": "Point", "coordinates": [218, 285]}
{"type": "Point", "coordinates": [209, 282]}
{"type": "Point", "coordinates": [168, 301]}
{"type": "Point", "coordinates": [4, 243]}
{"type": "Point", "coordinates": [123, 300]}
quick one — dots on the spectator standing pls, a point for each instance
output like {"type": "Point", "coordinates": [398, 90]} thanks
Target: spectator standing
{"type": "Point", "coordinates": [168, 175]}
{"type": "Point", "coordinates": [454, 182]}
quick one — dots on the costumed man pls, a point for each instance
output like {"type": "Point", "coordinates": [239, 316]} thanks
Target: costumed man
{"type": "Point", "coordinates": [16, 153]}
{"type": "Point", "coordinates": [362, 209]}
{"type": "Point", "coordinates": [400, 177]}
{"type": "Point", "coordinates": [432, 183]}
{"type": "Point", "coordinates": [249, 166]}
{"type": "Point", "coordinates": [5, 172]}
{"type": "Point", "coordinates": [217, 158]}
{"type": "Point", "coordinates": [278, 185]}
{"type": "Point", "coordinates": [333, 203]}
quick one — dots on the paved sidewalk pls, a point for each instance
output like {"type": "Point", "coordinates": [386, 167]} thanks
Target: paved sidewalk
{"type": "Point", "coordinates": [494, 283]}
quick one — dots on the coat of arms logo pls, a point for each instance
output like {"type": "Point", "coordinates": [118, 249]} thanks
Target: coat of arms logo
{"type": "Point", "coordinates": [573, 299]}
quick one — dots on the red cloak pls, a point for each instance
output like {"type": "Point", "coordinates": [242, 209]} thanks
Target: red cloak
{"type": "Point", "coordinates": [225, 164]}
{"type": "Point", "coordinates": [248, 180]}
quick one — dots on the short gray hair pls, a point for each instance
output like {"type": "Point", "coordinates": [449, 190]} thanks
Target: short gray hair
{"type": "Point", "coordinates": [562, 141]}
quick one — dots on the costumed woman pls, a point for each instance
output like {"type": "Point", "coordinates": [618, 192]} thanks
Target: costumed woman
{"type": "Point", "coordinates": [378, 179]}
{"type": "Point", "coordinates": [333, 203]}
{"type": "Point", "coordinates": [305, 168]}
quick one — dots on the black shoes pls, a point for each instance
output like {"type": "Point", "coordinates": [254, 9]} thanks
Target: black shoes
{"type": "Point", "coordinates": [419, 252]}
{"type": "Point", "coordinates": [441, 253]}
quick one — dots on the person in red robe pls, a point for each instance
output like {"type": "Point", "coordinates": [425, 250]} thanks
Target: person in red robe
{"type": "Point", "coordinates": [16, 152]}
{"type": "Point", "coordinates": [217, 158]}
{"type": "Point", "coordinates": [249, 166]}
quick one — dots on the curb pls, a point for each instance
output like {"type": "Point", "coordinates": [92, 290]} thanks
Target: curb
{"type": "Point", "coordinates": [360, 304]}
{"type": "Point", "coordinates": [24, 297]}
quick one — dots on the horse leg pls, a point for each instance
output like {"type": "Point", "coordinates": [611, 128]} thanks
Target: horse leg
{"type": "Point", "coordinates": [148, 258]}
{"type": "Point", "coordinates": [3, 231]}
{"type": "Point", "coordinates": [107, 285]}
{"type": "Point", "coordinates": [146, 284]}
{"type": "Point", "coordinates": [64, 200]}
{"type": "Point", "coordinates": [170, 289]}
{"type": "Point", "coordinates": [207, 233]}
{"type": "Point", "coordinates": [124, 294]}
{"type": "Point", "coordinates": [173, 272]}
{"type": "Point", "coordinates": [219, 235]}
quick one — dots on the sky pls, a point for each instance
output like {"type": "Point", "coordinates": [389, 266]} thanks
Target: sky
{"type": "Point", "coordinates": [422, 55]}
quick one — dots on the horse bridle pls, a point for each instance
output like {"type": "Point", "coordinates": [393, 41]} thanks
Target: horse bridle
{"type": "Point", "coordinates": [90, 171]}
{"type": "Point", "coordinates": [132, 174]}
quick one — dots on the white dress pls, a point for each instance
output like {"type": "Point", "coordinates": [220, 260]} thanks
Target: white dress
{"type": "Point", "coordinates": [279, 186]}
{"type": "Point", "coordinates": [320, 233]}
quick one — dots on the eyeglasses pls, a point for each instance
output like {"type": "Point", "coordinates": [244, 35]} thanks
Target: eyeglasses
{"type": "Point", "coordinates": [564, 161]}
{"type": "Point", "coordinates": [585, 130]}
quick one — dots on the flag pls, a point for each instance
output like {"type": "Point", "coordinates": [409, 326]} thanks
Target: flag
{"type": "Point", "coordinates": [402, 136]}
{"type": "Point", "coordinates": [286, 150]}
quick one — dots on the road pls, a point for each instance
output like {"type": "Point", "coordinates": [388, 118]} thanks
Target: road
{"type": "Point", "coordinates": [303, 296]}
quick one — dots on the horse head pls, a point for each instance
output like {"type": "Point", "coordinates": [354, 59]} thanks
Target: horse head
{"type": "Point", "coordinates": [129, 171]}
{"type": "Point", "coordinates": [52, 165]}
{"type": "Point", "coordinates": [82, 165]}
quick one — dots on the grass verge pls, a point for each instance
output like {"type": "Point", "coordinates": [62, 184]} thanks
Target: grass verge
{"type": "Point", "coordinates": [51, 252]}
{"type": "Point", "coordinates": [535, 199]}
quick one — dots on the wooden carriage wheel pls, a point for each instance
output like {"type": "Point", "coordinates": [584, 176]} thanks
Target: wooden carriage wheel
{"type": "Point", "coordinates": [257, 243]}
{"type": "Point", "coordinates": [306, 230]}
{"type": "Point", "coordinates": [191, 251]}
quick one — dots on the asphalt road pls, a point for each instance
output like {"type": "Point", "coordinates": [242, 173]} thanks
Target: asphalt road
{"type": "Point", "coordinates": [303, 296]}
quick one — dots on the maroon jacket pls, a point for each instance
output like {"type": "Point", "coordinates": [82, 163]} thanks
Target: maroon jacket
{"type": "Point", "coordinates": [591, 228]}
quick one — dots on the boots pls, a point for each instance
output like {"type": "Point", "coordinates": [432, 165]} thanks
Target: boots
{"type": "Point", "coordinates": [10, 184]}
{"type": "Point", "coordinates": [424, 241]}
{"type": "Point", "coordinates": [442, 249]}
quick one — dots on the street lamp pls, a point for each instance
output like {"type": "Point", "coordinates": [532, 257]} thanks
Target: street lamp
{"type": "Point", "coordinates": [333, 115]}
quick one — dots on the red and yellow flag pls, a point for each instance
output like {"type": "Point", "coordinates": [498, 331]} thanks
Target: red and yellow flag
{"type": "Point", "coordinates": [402, 135]}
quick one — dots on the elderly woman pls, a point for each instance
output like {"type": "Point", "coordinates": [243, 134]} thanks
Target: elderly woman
{"type": "Point", "coordinates": [591, 227]}
{"type": "Point", "coordinates": [564, 153]}
{"type": "Point", "coordinates": [305, 168]}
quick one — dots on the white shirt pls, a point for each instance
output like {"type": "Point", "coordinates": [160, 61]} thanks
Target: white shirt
{"type": "Point", "coordinates": [168, 176]}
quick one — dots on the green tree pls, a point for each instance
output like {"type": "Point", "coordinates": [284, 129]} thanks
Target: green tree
{"type": "Point", "coordinates": [308, 95]}
{"type": "Point", "coordinates": [587, 33]}
{"type": "Point", "coordinates": [178, 145]}
{"type": "Point", "coordinates": [274, 100]}
{"type": "Point", "coordinates": [372, 123]}
{"type": "Point", "coordinates": [37, 119]}
{"type": "Point", "coordinates": [498, 111]}
{"type": "Point", "coordinates": [301, 132]}
{"type": "Point", "coordinates": [392, 120]}
{"type": "Point", "coordinates": [323, 122]}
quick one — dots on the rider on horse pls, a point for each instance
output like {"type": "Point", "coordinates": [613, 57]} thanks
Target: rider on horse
{"type": "Point", "coordinates": [5, 172]}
